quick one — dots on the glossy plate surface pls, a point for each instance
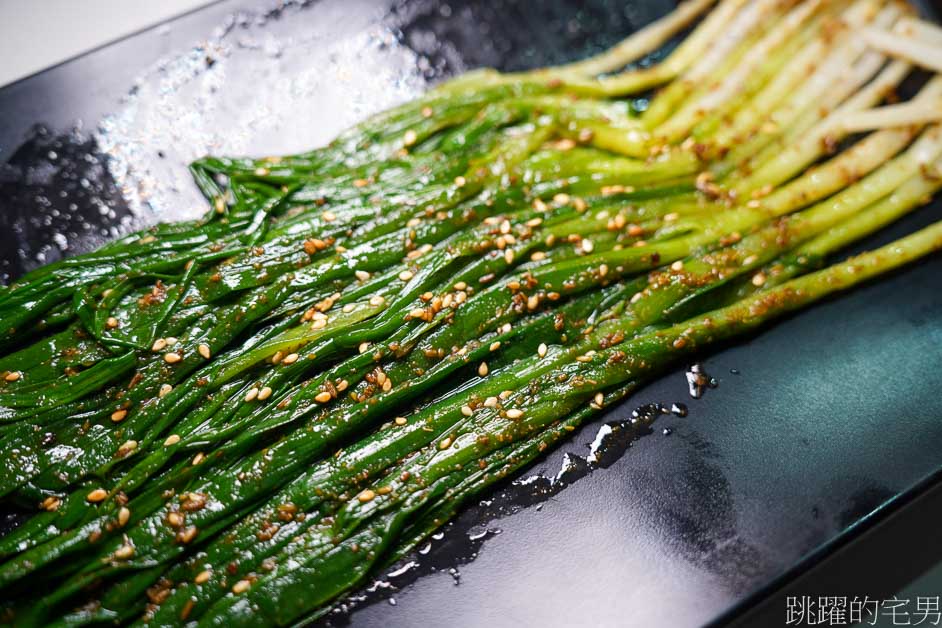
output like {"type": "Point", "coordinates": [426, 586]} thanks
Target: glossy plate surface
{"type": "Point", "coordinates": [814, 424]}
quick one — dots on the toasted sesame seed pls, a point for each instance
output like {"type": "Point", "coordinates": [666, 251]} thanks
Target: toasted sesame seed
{"type": "Point", "coordinates": [172, 358]}
{"type": "Point", "coordinates": [364, 347]}
{"type": "Point", "coordinates": [175, 519]}
{"type": "Point", "coordinates": [51, 503]}
{"type": "Point", "coordinates": [12, 376]}
{"type": "Point", "coordinates": [252, 395]}
{"type": "Point", "coordinates": [376, 300]}
{"type": "Point", "coordinates": [329, 216]}
{"type": "Point", "coordinates": [127, 447]}
{"type": "Point", "coordinates": [599, 399]}
{"type": "Point", "coordinates": [461, 286]}
{"type": "Point", "coordinates": [541, 350]}
{"type": "Point", "coordinates": [241, 586]}
{"type": "Point", "coordinates": [509, 256]}
{"type": "Point", "coordinates": [124, 552]}
{"type": "Point", "coordinates": [112, 322]}
{"type": "Point", "coordinates": [366, 496]}
{"type": "Point", "coordinates": [164, 390]}
{"type": "Point", "coordinates": [202, 576]}
{"type": "Point", "coordinates": [445, 444]}
{"type": "Point", "coordinates": [400, 420]}
{"type": "Point", "coordinates": [123, 516]}
{"type": "Point", "coordinates": [173, 439]}
{"type": "Point", "coordinates": [98, 495]}
{"type": "Point", "coordinates": [359, 183]}
{"type": "Point", "coordinates": [320, 323]}
{"type": "Point", "coordinates": [171, 340]}
{"type": "Point", "coordinates": [514, 413]}
{"type": "Point", "coordinates": [362, 275]}
{"type": "Point", "coordinates": [264, 393]}
{"type": "Point", "coordinates": [603, 270]}
{"type": "Point", "coordinates": [323, 397]}
{"type": "Point", "coordinates": [198, 458]}
{"type": "Point", "coordinates": [118, 415]}
{"type": "Point", "coordinates": [291, 358]}
{"type": "Point", "coordinates": [495, 345]}
{"type": "Point", "coordinates": [466, 410]}
{"type": "Point", "coordinates": [758, 279]}
{"type": "Point", "coordinates": [482, 370]}
{"type": "Point", "coordinates": [533, 302]}
{"type": "Point", "coordinates": [490, 402]}
{"type": "Point", "coordinates": [349, 307]}
{"type": "Point", "coordinates": [406, 275]}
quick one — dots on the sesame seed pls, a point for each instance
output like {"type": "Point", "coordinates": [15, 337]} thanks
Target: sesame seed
{"type": "Point", "coordinates": [198, 458]}
{"type": "Point", "coordinates": [118, 415]}
{"type": "Point", "coordinates": [264, 393]}
{"type": "Point", "coordinates": [587, 245]}
{"type": "Point", "coordinates": [509, 256]}
{"type": "Point", "coordinates": [98, 495]}
{"type": "Point", "coordinates": [241, 586]}
{"type": "Point", "coordinates": [329, 216]}
{"type": "Point", "coordinates": [461, 285]}
{"type": "Point", "coordinates": [172, 358]}
{"type": "Point", "coordinates": [677, 266]}
{"type": "Point", "coordinates": [291, 358]}
{"type": "Point", "coordinates": [490, 402]}
{"type": "Point", "coordinates": [466, 410]}
{"type": "Point", "coordinates": [445, 444]}
{"type": "Point", "coordinates": [204, 351]}
{"type": "Point", "coordinates": [112, 322]}
{"type": "Point", "coordinates": [366, 496]}
{"type": "Point", "coordinates": [323, 397]}
{"type": "Point", "coordinates": [752, 259]}
{"type": "Point", "coordinates": [460, 181]}
{"type": "Point", "coordinates": [202, 576]}
{"type": "Point", "coordinates": [349, 307]}
{"type": "Point", "coordinates": [364, 347]}
{"type": "Point", "coordinates": [758, 279]}
{"type": "Point", "coordinates": [377, 300]}
{"type": "Point", "coordinates": [426, 112]}
{"type": "Point", "coordinates": [514, 413]}
{"type": "Point", "coordinates": [405, 275]}
{"type": "Point", "coordinates": [124, 552]}
{"type": "Point", "coordinates": [342, 385]}
{"type": "Point", "coordinates": [362, 275]}
{"type": "Point", "coordinates": [599, 399]}
{"type": "Point", "coordinates": [164, 390]}
{"type": "Point", "coordinates": [171, 341]}
{"type": "Point", "coordinates": [320, 323]}
{"type": "Point", "coordinates": [123, 516]}
{"type": "Point", "coordinates": [410, 138]}
{"type": "Point", "coordinates": [384, 490]}
{"type": "Point", "coordinates": [12, 376]}
{"type": "Point", "coordinates": [361, 183]}
{"type": "Point", "coordinates": [541, 350]}
{"type": "Point", "coordinates": [495, 345]}
{"type": "Point", "coordinates": [533, 302]}
{"type": "Point", "coordinates": [603, 270]}
{"type": "Point", "coordinates": [173, 439]}
{"type": "Point", "coordinates": [174, 519]}
{"type": "Point", "coordinates": [482, 370]}
{"type": "Point", "coordinates": [505, 395]}
{"type": "Point", "coordinates": [51, 504]}
{"type": "Point", "coordinates": [537, 256]}
{"type": "Point", "coordinates": [127, 447]}
{"type": "Point", "coordinates": [252, 395]}
{"type": "Point", "coordinates": [400, 420]}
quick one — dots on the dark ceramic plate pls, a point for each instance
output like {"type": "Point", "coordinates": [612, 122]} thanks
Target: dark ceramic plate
{"type": "Point", "coordinates": [817, 424]}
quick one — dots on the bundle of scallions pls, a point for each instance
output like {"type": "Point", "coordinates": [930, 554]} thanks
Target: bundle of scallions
{"type": "Point", "coordinates": [236, 421]}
